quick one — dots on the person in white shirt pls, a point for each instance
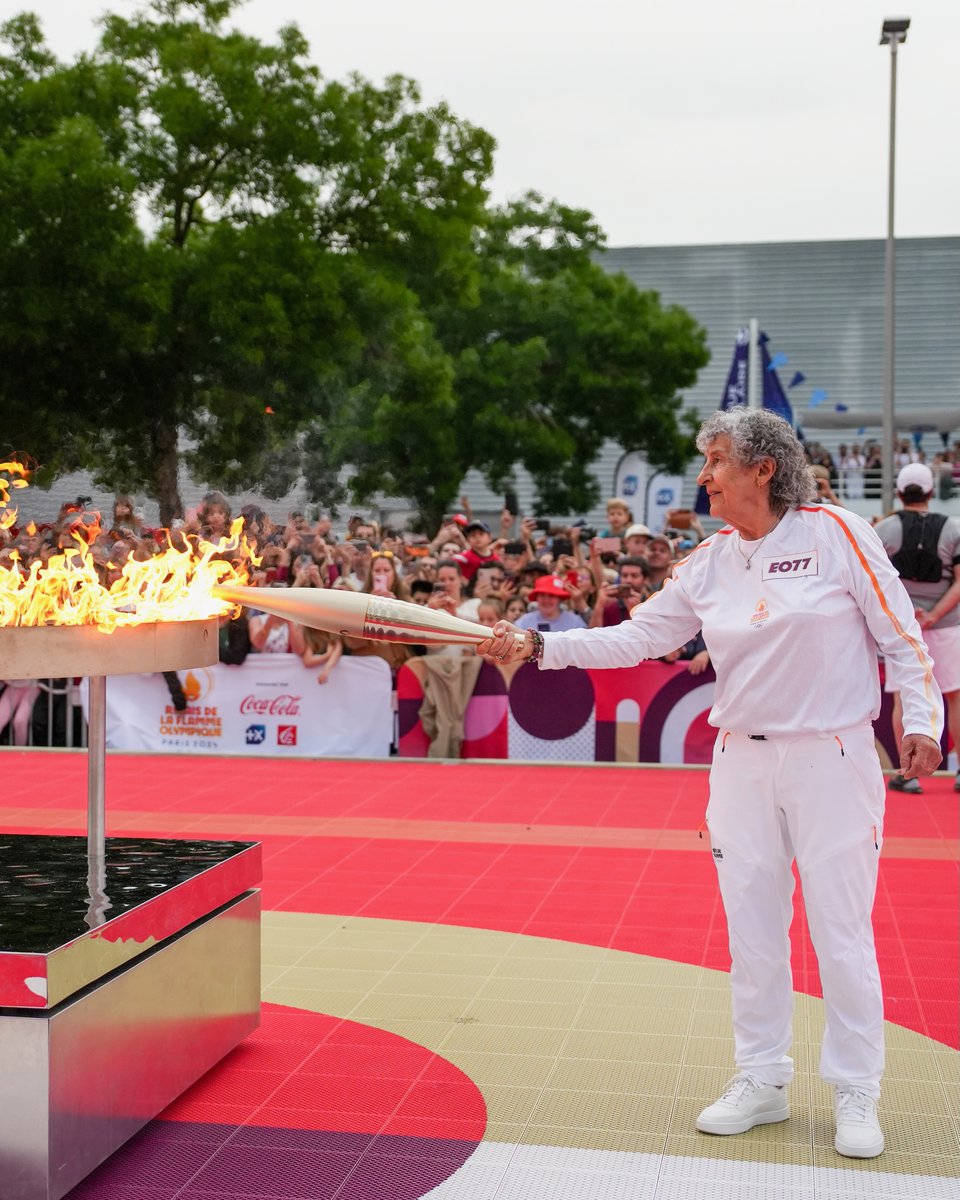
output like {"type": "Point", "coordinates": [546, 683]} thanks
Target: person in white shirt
{"type": "Point", "coordinates": [793, 598]}
{"type": "Point", "coordinates": [852, 467]}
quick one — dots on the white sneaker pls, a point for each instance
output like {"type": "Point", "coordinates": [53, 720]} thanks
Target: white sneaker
{"type": "Point", "coordinates": [745, 1103]}
{"type": "Point", "coordinates": [858, 1130]}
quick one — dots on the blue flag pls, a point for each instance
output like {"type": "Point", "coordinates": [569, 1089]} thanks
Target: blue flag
{"type": "Point", "coordinates": [774, 397]}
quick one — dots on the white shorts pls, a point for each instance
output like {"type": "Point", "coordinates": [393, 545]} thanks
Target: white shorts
{"type": "Point", "coordinates": [944, 647]}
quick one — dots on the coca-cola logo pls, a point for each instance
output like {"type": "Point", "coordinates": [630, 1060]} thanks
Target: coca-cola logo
{"type": "Point", "coordinates": [283, 705]}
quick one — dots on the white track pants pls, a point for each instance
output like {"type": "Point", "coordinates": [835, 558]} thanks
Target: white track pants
{"type": "Point", "coordinates": [819, 800]}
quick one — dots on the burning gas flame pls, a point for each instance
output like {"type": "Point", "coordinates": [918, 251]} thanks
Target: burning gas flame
{"type": "Point", "coordinates": [175, 585]}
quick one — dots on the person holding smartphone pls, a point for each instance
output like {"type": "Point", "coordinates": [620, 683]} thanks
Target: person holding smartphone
{"type": "Point", "coordinates": [617, 601]}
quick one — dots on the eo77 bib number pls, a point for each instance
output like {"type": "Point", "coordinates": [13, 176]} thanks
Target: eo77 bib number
{"type": "Point", "coordinates": [792, 566]}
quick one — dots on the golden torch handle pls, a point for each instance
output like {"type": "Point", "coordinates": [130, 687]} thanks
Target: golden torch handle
{"type": "Point", "coordinates": [358, 614]}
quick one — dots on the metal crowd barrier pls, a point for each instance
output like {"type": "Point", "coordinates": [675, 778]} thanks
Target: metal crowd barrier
{"type": "Point", "coordinates": [57, 717]}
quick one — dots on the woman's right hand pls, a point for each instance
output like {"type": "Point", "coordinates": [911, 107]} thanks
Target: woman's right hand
{"type": "Point", "coordinates": [506, 644]}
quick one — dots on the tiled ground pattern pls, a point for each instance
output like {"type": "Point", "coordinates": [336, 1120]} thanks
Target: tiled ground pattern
{"type": "Point", "coordinates": [569, 887]}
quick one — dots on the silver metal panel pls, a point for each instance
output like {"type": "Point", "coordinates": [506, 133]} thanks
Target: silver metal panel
{"type": "Point", "coordinates": [82, 1079]}
{"type": "Point", "coordinates": [24, 1105]}
{"type": "Point", "coordinates": [36, 652]}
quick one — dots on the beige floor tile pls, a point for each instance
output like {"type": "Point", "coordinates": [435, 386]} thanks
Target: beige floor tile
{"type": "Point", "coordinates": [628, 1141]}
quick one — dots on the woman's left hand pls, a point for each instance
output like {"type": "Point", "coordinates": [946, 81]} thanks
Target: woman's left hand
{"type": "Point", "coordinates": [506, 644]}
{"type": "Point", "coordinates": [919, 755]}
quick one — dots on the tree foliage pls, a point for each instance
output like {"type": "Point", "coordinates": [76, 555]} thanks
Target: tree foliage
{"type": "Point", "coordinates": [212, 251]}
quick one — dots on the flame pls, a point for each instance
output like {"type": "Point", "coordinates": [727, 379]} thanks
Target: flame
{"type": "Point", "coordinates": [175, 585]}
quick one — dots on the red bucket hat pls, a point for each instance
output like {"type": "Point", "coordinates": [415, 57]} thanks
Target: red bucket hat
{"type": "Point", "coordinates": [550, 585]}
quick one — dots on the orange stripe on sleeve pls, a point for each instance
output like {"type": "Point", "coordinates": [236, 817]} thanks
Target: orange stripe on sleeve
{"type": "Point", "coordinates": [917, 648]}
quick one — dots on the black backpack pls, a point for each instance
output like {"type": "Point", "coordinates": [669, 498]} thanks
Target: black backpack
{"type": "Point", "coordinates": [917, 559]}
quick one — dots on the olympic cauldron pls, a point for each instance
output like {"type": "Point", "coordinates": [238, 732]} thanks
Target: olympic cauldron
{"type": "Point", "coordinates": [128, 966]}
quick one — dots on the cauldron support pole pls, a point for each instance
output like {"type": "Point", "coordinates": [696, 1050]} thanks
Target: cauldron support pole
{"type": "Point", "coordinates": [96, 764]}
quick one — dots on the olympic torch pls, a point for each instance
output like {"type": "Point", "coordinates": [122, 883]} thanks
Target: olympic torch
{"type": "Point", "coordinates": [358, 614]}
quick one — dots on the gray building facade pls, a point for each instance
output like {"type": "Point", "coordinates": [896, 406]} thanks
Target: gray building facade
{"type": "Point", "coordinates": [820, 303]}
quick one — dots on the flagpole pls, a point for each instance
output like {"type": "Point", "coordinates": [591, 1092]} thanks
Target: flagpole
{"type": "Point", "coordinates": [754, 388]}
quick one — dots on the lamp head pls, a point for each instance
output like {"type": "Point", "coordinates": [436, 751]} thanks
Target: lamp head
{"type": "Point", "coordinates": [894, 30]}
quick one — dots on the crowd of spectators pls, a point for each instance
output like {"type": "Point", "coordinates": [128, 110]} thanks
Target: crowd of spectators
{"type": "Point", "coordinates": [854, 471]}
{"type": "Point", "coordinates": [547, 575]}
{"type": "Point", "coordinates": [540, 574]}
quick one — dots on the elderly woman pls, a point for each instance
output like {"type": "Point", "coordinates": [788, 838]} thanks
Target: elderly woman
{"type": "Point", "coordinates": [793, 598]}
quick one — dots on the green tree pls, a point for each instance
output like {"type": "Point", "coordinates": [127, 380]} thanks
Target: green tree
{"type": "Point", "coordinates": [203, 237]}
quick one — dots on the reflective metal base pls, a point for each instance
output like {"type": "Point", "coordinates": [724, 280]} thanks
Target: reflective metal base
{"type": "Point", "coordinates": [79, 1080]}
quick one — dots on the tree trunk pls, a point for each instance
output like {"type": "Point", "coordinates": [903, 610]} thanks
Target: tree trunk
{"type": "Point", "coordinates": [166, 462]}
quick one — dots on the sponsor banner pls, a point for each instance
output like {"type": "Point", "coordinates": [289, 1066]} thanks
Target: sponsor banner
{"type": "Point", "coordinates": [630, 482]}
{"type": "Point", "coordinates": [272, 704]}
{"type": "Point", "coordinates": [664, 492]}
{"type": "Point", "coordinates": [654, 712]}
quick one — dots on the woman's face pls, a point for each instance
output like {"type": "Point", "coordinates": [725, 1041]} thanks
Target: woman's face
{"type": "Point", "coordinates": [216, 517]}
{"type": "Point", "coordinates": [381, 575]}
{"type": "Point", "coordinates": [515, 608]}
{"type": "Point", "coordinates": [735, 494]}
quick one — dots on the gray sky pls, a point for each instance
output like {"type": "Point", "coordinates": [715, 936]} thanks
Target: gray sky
{"type": "Point", "coordinates": [684, 122]}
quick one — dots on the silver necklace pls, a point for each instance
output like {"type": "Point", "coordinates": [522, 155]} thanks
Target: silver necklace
{"type": "Point", "coordinates": [747, 558]}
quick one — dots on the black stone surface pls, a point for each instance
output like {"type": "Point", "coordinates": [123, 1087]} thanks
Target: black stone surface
{"type": "Point", "coordinates": [45, 898]}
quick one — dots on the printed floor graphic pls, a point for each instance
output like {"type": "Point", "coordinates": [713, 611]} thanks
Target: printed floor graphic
{"type": "Point", "coordinates": [508, 982]}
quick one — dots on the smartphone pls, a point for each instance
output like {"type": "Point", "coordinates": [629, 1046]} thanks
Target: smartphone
{"type": "Point", "coordinates": [572, 578]}
{"type": "Point", "coordinates": [679, 518]}
{"type": "Point", "coordinates": [543, 524]}
{"type": "Point", "coordinates": [607, 545]}
{"type": "Point", "coordinates": [510, 502]}
{"type": "Point", "coordinates": [271, 575]}
{"type": "Point", "coordinates": [562, 545]}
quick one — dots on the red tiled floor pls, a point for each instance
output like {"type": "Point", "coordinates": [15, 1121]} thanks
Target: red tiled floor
{"type": "Point", "coordinates": [657, 902]}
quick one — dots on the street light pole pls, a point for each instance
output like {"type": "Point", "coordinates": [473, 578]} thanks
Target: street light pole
{"type": "Point", "coordinates": [894, 32]}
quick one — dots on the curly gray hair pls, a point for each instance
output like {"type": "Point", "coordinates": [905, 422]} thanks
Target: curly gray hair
{"type": "Point", "coordinates": [756, 434]}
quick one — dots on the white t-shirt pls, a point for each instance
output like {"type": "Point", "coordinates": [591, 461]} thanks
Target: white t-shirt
{"type": "Point", "coordinates": [564, 620]}
{"type": "Point", "coordinates": [793, 640]}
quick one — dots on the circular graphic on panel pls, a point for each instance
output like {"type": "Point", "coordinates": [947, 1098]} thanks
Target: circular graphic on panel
{"type": "Point", "coordinates": [552, 704]}
{"type": "Point", "coordinates": [308, 1106]}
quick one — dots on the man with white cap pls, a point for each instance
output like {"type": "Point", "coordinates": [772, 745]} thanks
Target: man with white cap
{"type": "Point", "coordinates": [925, 548]}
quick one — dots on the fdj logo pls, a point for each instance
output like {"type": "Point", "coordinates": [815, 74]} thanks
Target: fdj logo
{"type": "Point", "coordinates": [256, 735]}
{"type": "Point", "coordinates": [665, 496]}
{"type": "Point", "coordinates": [286, 735]}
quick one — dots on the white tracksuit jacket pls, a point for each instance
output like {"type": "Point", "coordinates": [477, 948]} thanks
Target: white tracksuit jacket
{"type": "Point", "coordinates": [793, 640]}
